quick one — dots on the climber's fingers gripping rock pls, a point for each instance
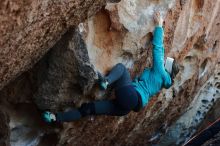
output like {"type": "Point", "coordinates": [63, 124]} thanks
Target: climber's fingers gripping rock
{"type": "Point", "coordinates": [158, 19]}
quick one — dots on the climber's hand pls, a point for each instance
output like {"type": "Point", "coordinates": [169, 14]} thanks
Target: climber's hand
{"type": "Point", "coordinates": [158, 19]}
{"type": "Point", "coordinates": [48, 117]}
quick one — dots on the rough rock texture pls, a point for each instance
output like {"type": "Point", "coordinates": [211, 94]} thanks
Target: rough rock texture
{"type": "Point", "coordinates": [120, 32]}
{"type": "Point", "coordinates": [69, 76]}
{"type": "Point", "coordinates": [28, 29]}
{"type": "Point", "coordinates": [211, 117]}
{"type": "Point", "coordinates": [184, 127]}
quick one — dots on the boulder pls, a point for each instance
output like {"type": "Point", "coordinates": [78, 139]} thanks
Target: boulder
{"type": "Point", "coordinates": [121, 32]}
{"type": "Point", "coordinates": [28, 29]}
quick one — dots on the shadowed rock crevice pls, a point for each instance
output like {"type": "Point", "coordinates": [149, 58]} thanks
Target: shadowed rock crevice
{"type": "Point", "coordinates": [70, 76]}
{"type": "Point", "coordinates": [4, 128]}
{"type": "Point", "coordinates": [25, 126]}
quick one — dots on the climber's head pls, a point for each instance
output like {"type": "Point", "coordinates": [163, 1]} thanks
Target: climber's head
{"type": "Point", "coordinates": [172, 67]}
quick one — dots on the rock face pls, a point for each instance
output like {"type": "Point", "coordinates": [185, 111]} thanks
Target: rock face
{"type": "Point", "coordinates": [120, 32]}
{"type": "Point", "coordinates": [187, 124]}
{"type": "Point", "coordinates": [69, 74]}
{"type": "Point", "coordinates": [28, 29]}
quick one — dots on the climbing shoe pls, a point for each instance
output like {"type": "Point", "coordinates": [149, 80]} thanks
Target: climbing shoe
{"type": "Point", "coordinates": [49, 117]}
{"type": "Point", "coordinates": [103, 83]}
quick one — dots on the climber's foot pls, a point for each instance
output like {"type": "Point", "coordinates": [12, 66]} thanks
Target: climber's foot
{"type": "Point", "coordinates": [103, 83]}
{"type": "Point", "coordinates": [49, 117]}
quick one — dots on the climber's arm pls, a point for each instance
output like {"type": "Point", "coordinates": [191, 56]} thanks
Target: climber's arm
{"type": "Point", "coordinates": [158, 56]}
{"type": "Point", "coordinates": [158, 49]}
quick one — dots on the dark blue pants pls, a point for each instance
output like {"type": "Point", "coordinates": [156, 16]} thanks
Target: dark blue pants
{"type": "Point", "coordinates": [125, 101]}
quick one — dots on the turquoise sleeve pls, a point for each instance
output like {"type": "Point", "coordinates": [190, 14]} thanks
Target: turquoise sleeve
{"type": "Point", "coordinates": [158, 36]}
{"type": "Point", "coordinates": [158, 56]}
{"type": "Point", "coordinates": [158, 50]}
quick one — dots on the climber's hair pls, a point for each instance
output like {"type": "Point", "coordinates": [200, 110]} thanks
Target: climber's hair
{"type": "Point", "coordinates": [175, 69]}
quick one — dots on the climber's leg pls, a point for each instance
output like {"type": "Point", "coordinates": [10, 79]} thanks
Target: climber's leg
{"type": "Point", "coordinates": [126, 97]}
{"type": "Point", "coordinates": [125, 101]}
{"type": "Point", "coordinates": [119, 76]}
{"type": "Point", "coordinates": [68, 116]}
{"type": "Point", "coordinates": [109, 107]}
{"type": "Point", "coordinates": [102, 107]}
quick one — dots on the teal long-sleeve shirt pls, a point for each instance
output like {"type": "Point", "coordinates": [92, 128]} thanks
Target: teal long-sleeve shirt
{"type": "Point", "coordinates": [153, 79]}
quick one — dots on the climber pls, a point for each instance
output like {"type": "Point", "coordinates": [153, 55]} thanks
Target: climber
{"type": "Point", "coordinates": [130, 96]}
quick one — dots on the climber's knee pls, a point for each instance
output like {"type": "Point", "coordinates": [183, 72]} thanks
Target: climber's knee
{"type": "Point", "coordinates": [121, 66]}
